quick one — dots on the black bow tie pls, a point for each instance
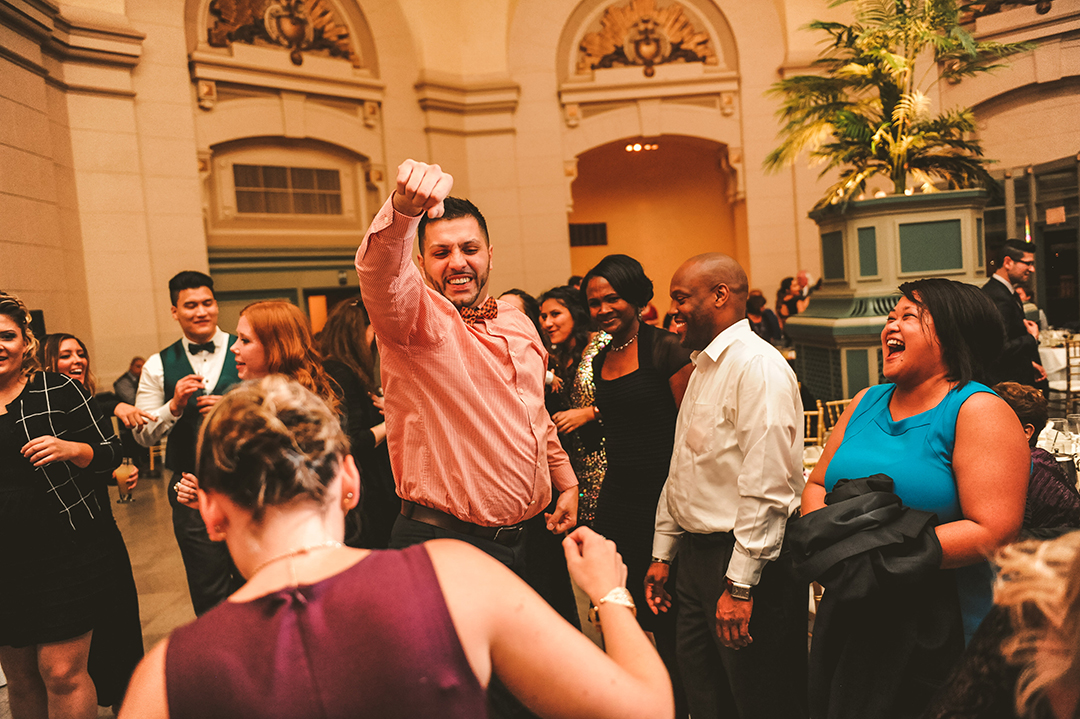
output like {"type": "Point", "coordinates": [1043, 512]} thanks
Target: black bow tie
{"type": "Point", "coordinates": [204, 347]}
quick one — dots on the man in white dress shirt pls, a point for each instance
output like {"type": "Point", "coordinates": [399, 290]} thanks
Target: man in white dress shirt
{"type": "Point", "coordinates": [178, 386]}
{"type": "Point", "coordinates": [735, 479]}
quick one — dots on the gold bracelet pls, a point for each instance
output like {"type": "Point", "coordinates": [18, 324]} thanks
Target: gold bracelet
{"type": "Point", "coordinates": [618, 595]}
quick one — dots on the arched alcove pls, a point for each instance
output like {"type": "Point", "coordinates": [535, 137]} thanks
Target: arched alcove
{"type": "Point", "coordinates": [662, 204]}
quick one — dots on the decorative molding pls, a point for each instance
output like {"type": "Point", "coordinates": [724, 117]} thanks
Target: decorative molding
{"type": "Point", "coordinates": [626, 84]}
{"type": "Point", "coordinates": [643, 35]}
{"type": "Point", "coordinates": [83, 34]}
{"type": "Point", "coordinates": [75, 49]}
{"type": "Point", "coordinates": [459, 107]}
{"type": "Point", "coordinates": [1025, 24]}
{"type": "Point", "coordinates": [266, 68]}
{"type": "Point", "coordinates": [300, 26]}
{"type": "Point", "coordinates": [993, 7]}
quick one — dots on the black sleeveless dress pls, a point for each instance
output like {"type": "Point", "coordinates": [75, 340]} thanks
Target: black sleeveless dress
{"type": "Point", "coordinates": [639, 415]}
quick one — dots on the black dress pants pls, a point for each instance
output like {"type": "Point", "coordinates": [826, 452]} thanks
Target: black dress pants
{"type": "Point", "coordinates": [407, 532]}
{"type": "Point", "coordinates": [765, 680]}
{"type": "Point", "coordinates": [211, 574]}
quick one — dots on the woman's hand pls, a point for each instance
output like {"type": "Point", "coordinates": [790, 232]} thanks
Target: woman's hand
{"type": "Point", "coordinates": [132, 416]}
{"type": "Point", "coordinates": [46, 450]}
{"type": "Point", "coordinates": [132, 480]}
{"type": "Point", "coordinates": [594, 563]}
{"type": "Point", "coordinates": [556, 385]}
{"type": "Point", "coordinates": [572, 419]}
{"type": "Point", "coordinates": [187, 490]}
{"type": "Point", "coordinates": [379, 401]}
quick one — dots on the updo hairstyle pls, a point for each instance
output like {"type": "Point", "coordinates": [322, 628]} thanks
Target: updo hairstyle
{"type": "Point", "coordinates": [270, 441]}
{"type": "Point", "coordinates": [12, 307]}
{"type": "Point", "coordinates": [625, 275]}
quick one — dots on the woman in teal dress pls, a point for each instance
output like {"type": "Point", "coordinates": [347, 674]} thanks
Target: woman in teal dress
{"type": "Point", "coordinates": [950, 445]}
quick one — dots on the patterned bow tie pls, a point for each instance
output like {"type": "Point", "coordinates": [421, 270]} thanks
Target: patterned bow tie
{"type": "Point", "coordinates": [487, 311]}
{"type": "Point", "coordinates": [204, 347]}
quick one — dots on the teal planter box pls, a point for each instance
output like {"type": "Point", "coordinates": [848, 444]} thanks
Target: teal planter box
{"type": "Point", "coordinates": [867, 250]}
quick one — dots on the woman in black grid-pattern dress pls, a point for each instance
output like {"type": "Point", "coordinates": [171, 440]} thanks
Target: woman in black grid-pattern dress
{"type": "Point", "coordinates": [53, 531]}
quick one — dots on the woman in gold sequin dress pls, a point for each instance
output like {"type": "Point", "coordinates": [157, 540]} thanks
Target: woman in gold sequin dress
{"type": "Point", "coordinates": [570, 397]}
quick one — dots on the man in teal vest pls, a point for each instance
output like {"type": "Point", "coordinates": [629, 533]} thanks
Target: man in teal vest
{"type": "Point", "coordinates": [178, 386]}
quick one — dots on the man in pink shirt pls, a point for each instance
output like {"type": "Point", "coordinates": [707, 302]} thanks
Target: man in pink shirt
{"type": "Point", "coordinates": [473, 449]}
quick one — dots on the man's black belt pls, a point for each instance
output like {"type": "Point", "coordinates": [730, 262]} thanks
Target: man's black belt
{"type": "Point", "coordinates": [501, 535]}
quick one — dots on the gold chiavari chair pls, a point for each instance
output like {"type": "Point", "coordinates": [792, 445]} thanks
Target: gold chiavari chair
{"type": "Point", "coordinates": [814, 426]}
{"type": "Point", "coordinates": [833, 410]}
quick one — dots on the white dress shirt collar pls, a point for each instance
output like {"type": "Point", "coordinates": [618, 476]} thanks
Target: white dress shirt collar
{"type": "Point", "coordinates": [722, 341]}
{"type": "Point", "coordinates": [1005, 282]}
{"type": "Point", "coordinates": [220, 339]}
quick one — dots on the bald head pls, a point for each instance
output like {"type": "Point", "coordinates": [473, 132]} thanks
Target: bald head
{"type": "Point", "coordinates": [708, 293]}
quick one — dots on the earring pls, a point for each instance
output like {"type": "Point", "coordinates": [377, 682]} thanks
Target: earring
{"type": "Point", "coordinates": [219, 533]}
{"type": "Point", "coordinates": [348, 498]}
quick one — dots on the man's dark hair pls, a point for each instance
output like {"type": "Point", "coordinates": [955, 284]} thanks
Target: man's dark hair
{"type": "Point", "coordinates": [1028, 403]}
{"type": "Point", "coordinates": [968, 326]}
{"type": "Point", "coordinates": [454, 208]}
{"type": "Point", "coordinates": [532, 307]}
{"type": "Point", "coordinates": [1016, 249]}
{"type": "Point", "coordinates": [626, 276]}
{"type": "Point", "coordinates": [755, 304]}
{"type": "Point", "coordinates": [188, 280]}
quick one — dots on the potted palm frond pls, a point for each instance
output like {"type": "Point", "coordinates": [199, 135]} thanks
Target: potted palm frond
{"type": "Point", "coordinates": [912, 180]}
{"type": "Point", "coordinates": [867, 112]}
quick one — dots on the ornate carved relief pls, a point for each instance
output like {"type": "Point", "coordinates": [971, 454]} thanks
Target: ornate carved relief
{"type": "Point", "coordinates": [639, 33]}
{"type": "Point", "coordinates": [301, 26]}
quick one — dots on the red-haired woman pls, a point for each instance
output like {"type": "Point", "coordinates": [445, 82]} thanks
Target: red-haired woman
{"type": "Point", "coordinates": [275, 338]}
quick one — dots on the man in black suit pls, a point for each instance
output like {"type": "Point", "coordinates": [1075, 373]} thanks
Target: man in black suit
{"type": "Point", "coordinates": [1019, 360]}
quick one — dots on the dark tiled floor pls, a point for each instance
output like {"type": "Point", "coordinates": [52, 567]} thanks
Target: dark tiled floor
{"type": "Point", "coordinates": [159, 572]}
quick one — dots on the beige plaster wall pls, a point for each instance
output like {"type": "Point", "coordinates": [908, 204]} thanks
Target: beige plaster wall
{"type": "Point", "coordinates": [661, 207]}
{"type": "Point", "coordinates": [466, 39]}
{"type": "Point", "coordinates": [40, 238]}
{"type": "Point", "coordinates": [1032, 125]}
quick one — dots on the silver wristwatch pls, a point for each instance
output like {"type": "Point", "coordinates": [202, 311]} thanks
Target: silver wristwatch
{"type": "Point", "coordinates": [737, 590]}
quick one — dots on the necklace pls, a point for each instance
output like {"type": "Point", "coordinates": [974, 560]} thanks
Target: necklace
{"type": "Point", "coordinates": [328, 544]}
{"type": "Point", "coordinates": [624, 345]}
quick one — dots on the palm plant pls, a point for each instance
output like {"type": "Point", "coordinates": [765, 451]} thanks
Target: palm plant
{"type": "Point", "coordinates": [868, 113]}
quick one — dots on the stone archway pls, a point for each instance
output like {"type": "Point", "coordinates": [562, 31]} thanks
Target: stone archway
{"type": "Point", "coordinates": [643, 197]}
{"type": "Point", "coordinates": [727, 106]}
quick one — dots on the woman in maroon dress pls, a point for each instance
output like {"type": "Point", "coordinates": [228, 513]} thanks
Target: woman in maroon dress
{"type": "Point", "coordinates": [323, 630]}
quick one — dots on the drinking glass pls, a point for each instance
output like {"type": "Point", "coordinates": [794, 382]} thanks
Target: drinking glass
{"type": "Point", "coordinates": [1061, 441]}
{"type": "Point", "coordinates": [123, 473]}
{"type": "Point", "coordinates": [1074, 424]}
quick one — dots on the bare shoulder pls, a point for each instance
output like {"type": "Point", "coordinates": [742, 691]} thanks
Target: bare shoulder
{"type": "Point", "coordinates": [442, 551]}
{"type": "Point", "coordinates": [146, 695]}
{"type": "Point", "coordinates": [465, 571]}
{"type": "Point", "coordinates": [986, 410]}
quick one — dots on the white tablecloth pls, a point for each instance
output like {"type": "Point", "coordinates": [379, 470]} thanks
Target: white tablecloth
{"type": "Point", "coordinates": [1054, 360]}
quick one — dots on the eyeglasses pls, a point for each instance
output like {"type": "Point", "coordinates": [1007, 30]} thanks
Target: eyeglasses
{"type": "Point", "coordinates": [1029, 263]}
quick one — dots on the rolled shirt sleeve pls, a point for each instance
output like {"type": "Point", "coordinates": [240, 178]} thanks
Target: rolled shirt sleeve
{"type": "Point", "coordinates": [151, 399]}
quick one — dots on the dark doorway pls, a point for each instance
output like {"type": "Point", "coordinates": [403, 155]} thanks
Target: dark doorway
{"type": "Point", "coordinates": [1060, 275]}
